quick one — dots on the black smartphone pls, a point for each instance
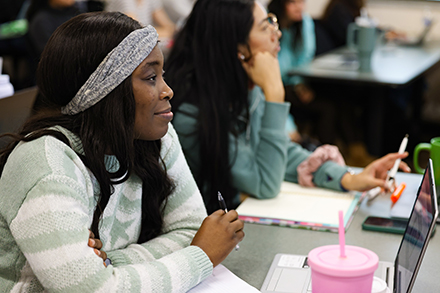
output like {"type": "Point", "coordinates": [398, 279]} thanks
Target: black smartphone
{"type": "Point", "coordinates": [389, 225]}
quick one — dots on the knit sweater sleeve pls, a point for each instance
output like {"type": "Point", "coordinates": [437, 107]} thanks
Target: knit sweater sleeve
{"type": "Point", "coordinates": [184, 211]}
{"type": "Point", "coordinates": [179, 265]}
{"type": "Point", "coordinates": [49, 227]}
{"type": "Point", "coordinates": [259, 167]}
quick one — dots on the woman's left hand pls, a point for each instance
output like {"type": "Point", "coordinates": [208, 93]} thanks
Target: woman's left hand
{"type": "Point", "coordinates": [96, 244]}
{"type": "Point", "coordinates": [374, 174]}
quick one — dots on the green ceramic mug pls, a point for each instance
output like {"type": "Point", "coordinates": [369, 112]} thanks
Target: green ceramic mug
{"type": "Point", "coordinates": [434, 149]}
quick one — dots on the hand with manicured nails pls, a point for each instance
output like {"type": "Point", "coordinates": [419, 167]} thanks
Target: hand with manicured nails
{"type": "Point", "coordinates": [219, 234]}
{"type": "Point", "coordinates": [374, 174]}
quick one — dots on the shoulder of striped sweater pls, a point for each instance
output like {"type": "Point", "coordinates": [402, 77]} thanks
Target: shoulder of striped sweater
{"type": "Point", "coordinates": [31, 148]}
{"type": "Point", "coordinates": [29, 163]}
{"type": "Point", "coordinates": [39, 158]}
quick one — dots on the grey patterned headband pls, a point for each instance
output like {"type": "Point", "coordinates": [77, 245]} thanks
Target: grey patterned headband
{"type": "Point", "coordinates": [114, 69]}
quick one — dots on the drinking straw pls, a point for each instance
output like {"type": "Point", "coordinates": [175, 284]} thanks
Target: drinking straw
{"type": "Point", "coordinates": [341, 235]}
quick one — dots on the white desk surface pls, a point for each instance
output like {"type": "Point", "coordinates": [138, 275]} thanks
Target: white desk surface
{"type": "Point", "coordinates": [261, 243]}
{"type": "Point", "coordinates": [391, 65]}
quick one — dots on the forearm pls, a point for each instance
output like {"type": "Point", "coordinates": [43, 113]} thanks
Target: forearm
{"type": "Point", "coordinates": [175, 237]}
{"type": "Point", "coordinates": [330, 175]}
{"type": "Point", "coordinates": [176, 272]}
{"type": "Point", "coordinates": [274, 92]}
{"type": "Point", "coordinates": [259, 170]}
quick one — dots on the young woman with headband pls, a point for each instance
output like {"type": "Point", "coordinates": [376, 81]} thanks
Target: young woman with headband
{"type": "Point", "coordinates": [104, 158]}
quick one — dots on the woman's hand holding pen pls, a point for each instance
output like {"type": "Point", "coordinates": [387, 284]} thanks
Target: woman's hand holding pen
{"type": "Point", "coordinates": [264, 70]}
{"type": "Point", "coordinates": [219, 234]}
{"type": "Point", "coordinates": [374, 174]}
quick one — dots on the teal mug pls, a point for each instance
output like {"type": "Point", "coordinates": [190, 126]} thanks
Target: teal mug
{"type": "Point", "coordinates": [362, 39]}
{"type": "Point", "coordinates": [434, 149]}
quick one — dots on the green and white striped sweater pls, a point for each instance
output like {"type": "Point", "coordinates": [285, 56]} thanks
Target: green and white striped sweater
{"type": "Point", "coordinates": [47, 199]}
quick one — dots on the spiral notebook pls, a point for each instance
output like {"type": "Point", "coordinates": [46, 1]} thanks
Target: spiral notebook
{"type": "Point", "coordinates": [302, 207]}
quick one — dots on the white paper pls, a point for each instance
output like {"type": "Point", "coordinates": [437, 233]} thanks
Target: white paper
{"type": "Point", "coordinates": [222, 280]}
{"type": "Point", "coordinates": [303, 204]}
{"type": "Point", "coordinates": [336, 61]}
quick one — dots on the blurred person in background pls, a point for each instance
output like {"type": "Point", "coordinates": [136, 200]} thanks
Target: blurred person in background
{"type": "Point", "coordinates": [335, 21]}
{"type": "Point", "coordinates": [44, 17]}
{"type": "Point", "coordinates": [230, 110]}
{"type": "Point", "coordinates": [146, 12]}
{"type": "Point", "coordinates": [178, 10]}
{"type": "Point", "coordinates": [298, 48]}
{"type": "Point", "coordinates": [337, 16]}
{"type": "Point", "coordinates": [331, 109]}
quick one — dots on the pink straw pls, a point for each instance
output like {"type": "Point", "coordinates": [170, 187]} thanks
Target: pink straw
{"type": "Point", "coordinates": [341, 234]}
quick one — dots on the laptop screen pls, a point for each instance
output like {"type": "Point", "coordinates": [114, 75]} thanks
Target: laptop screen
{"type": "Point", "coordinates": [416, 236]}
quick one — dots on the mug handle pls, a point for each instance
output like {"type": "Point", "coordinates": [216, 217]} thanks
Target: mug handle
{"type": "Point", "coordinates": [420, 147]}
{"type": "Point", "coordinates": [352, 28]}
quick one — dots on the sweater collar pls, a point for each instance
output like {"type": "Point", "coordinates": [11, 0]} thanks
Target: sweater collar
{"type": "Point", "coordinates": [110, 161]}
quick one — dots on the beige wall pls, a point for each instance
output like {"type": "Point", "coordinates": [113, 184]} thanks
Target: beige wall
{"type": "Point", "coordinates": [403, 16]}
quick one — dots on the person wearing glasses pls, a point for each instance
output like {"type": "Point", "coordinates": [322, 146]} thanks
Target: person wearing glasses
{"type": "Point", "coordinates": [298, 47]}
{"type": "Point", "coordinates": [315, 103]}
{"type": "Point", "coordinates": [230, 110]}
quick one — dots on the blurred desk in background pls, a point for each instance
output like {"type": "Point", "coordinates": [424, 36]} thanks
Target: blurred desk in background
{"type": "Point", "coordinates": [392, 67]}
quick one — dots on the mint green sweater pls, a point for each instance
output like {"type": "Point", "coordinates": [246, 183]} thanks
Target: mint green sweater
{"type": "Point", "coordinates": [47, 199]}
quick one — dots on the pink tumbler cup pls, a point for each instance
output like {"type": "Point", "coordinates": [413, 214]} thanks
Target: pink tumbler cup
{"type": "Point", "coordinates": [332, 273]}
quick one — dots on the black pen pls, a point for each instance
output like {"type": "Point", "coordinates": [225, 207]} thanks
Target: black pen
{"type": "Point", "coordinates": [222, 203]}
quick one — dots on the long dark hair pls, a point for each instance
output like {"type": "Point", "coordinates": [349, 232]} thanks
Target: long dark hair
{"type": "Point", "coordinates": [278, 7]}
{"type": "Point", "coordinates": [204, 70]}
{"type": "Point", "coordinates": [73, 52]}
{"type": "Point", "coordinates": [354, 6]}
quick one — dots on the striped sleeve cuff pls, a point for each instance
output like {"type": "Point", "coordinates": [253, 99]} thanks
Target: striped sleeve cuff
{"type": "Point", "coordinates": [202, 259]}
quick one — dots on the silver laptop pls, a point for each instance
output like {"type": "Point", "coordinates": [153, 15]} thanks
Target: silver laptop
{"type": "Point", "coordinates": [291, 273]}
{"type": "Point", "coordinates": [417, 40]}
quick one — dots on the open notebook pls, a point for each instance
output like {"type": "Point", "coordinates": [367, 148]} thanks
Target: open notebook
{"type": "Point", "coordinates": [301, 207]}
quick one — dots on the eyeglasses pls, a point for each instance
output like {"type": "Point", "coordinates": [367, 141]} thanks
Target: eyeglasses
{"type": "Point", "coordinates": [273, 21]}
